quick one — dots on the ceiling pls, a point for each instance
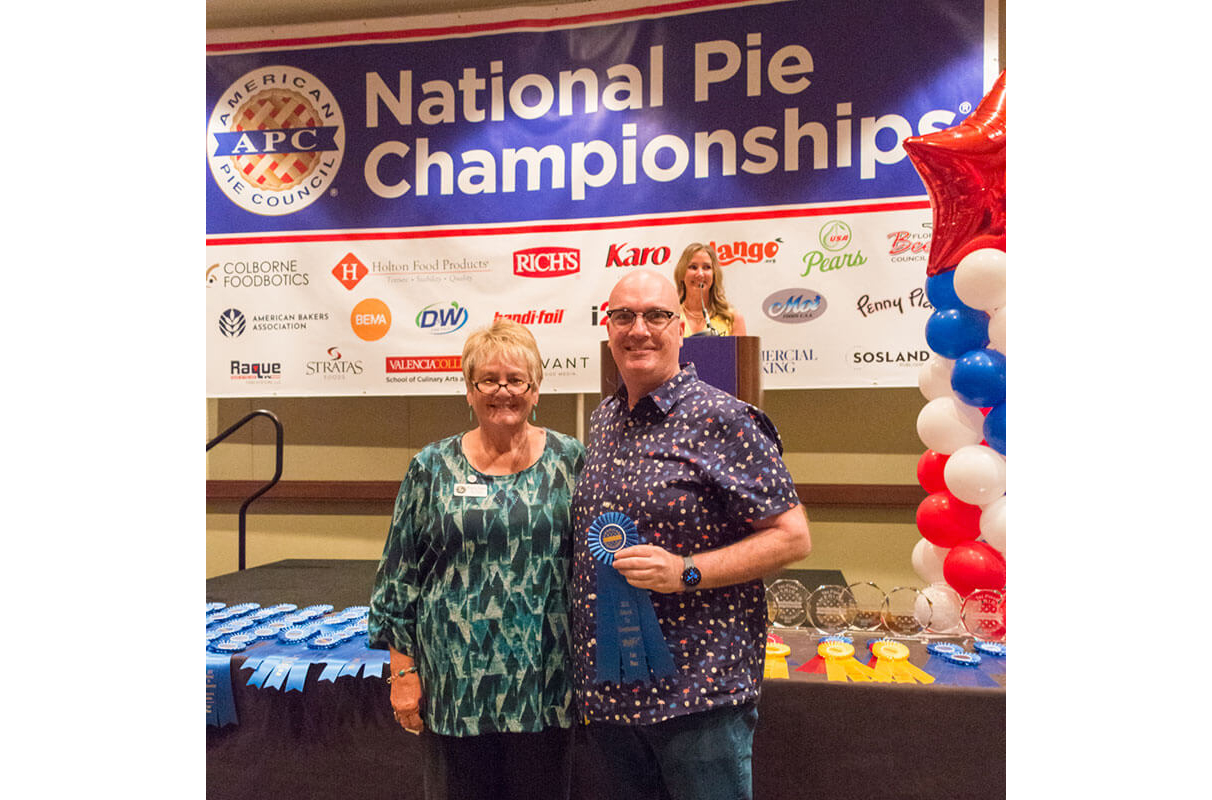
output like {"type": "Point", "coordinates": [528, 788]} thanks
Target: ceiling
{"type": "Point", "coordinates": [245, 14]}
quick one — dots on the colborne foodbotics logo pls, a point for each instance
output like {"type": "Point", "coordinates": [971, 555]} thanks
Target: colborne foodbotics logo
{"type": "Point", "coordinates": [546, 262]}
{"type": "Point", "coordinates": [275, 140]}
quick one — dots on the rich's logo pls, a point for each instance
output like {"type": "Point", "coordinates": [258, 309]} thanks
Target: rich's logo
{"type": "Point", "coordinates": [620, 255]}
{"type": "Point", "coordinates": [231, 323]}
{"type": "Point", "coordinates": [349, 271]}
{"type": "Point", "coordinates": [370, 319]}
{"type": "Point", "coordinates": [794, 306]}
{"type": "Point", "coordinates": [438, 319]}
{"type": "Point", "coordinates": [835, 235]}
{"type": "Point", "coordinates": [746, 252]}
{"type": "Point", "coordinates": [275, 140]}
{"type": "Point", "coordinates": [546, 262]}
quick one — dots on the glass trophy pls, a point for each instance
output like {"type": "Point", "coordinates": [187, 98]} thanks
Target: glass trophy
{"type": "Point", "coordinates": [787, 603]}
{"type": "Point", "coordinates": [984, 615]}
{"type": "Point", "coordinates": [868, 600]}
{"type": "Point", "coordinates": [900, 612]}
{"type": "Point", "coordinates": [831, 609]}
{"type": "Point", "coordinates": [938, 609]}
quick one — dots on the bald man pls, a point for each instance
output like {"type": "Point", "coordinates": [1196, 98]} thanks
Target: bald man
{"type": "Point", "coordinates": [699, 476]}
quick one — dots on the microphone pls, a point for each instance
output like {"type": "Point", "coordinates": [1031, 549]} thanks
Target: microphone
{"type": "Point", "coordinates": [706, 317]}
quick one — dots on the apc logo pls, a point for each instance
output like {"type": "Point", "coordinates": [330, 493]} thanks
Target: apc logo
{"type": "Point", "coordinates": [275, 140]}
{"type": "Point", "coordinates": [231, 323]}
{"type": "Point", "coordinates": [546, 262]}
{"type": "Point", "coordinates": [835, 235]}
{"type": "Point", "coordinates": [440, 321]}
{"type": "Point", "coordinates": [793, 306]}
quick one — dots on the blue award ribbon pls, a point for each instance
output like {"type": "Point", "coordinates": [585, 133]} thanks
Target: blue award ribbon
{"type": "Point", "coordinates": [220, 699]}
{"type": "Point", "coordinates": [630, 645]}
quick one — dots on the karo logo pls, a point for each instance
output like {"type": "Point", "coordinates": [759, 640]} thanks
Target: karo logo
{"type": "Point", "coordinates": [746, 252]}
{"type": "Point", "coordinates": [370, 319]}
{"type": "Point", "coordinates": [546, 262]}
{"type": "Point", "coordinates": [275, 140]}
{"type": "Point", "coordinates": [794, 306]}
{"type": "Point", "coordinates": [231, 323]}
{"type": "Point", "coordinates": [350, 271]}
{"type": "Point", "coordinates": [617, 256]}
{"type": "Point", "coordinates": [442, 320]}
{"type": "Point", "coordinates": [835, 235]}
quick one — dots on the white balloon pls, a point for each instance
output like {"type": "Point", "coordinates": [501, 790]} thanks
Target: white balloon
{"type": "Point", "coordinates": [993, 524]}
{"type": "Point", "coordinates": [934, 377]}
{"type": "Point", "coordinates": [997, 330]}
{"type": "Point", "coordinates": [976, 474]}
{"type": "Point", "coordinates": [980, 279]}
{"type": "Point", "coordinates": [938, 608]}
{"type": "Point", "coordinates": [946, 424]}
{"type": "Point", "coordinates": [927, 560]}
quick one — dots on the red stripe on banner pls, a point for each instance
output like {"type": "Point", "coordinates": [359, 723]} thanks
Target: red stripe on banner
{"type": "Point", "coordinates": [485, 27]}
{"type": "Point", "coordinates": [563, 227]}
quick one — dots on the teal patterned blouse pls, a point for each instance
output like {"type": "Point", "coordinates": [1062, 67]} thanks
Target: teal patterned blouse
{"type": "Point", "coordinates": [473, 584]}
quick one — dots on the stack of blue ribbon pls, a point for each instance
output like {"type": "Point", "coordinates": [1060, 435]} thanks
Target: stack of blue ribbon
{"type": "Point", "coordinates": [280, 643]}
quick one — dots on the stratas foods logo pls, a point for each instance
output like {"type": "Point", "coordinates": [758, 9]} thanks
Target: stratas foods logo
{"type": "Point", "coordinates": [370, 319]}
{"type": "Point", "coordinates": [275, 140]}
{"type": "Point", "coordinates": [546, 262]}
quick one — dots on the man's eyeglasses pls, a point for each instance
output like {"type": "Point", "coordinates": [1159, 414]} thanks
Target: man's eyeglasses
{"type": "Point", "coordinates": [655, 318]}
{"type": "Point", "coordinates": [514, 387]}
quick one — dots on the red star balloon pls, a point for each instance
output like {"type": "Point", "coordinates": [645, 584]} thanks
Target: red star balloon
{"type": "Point", "coordinates": [964, 169]}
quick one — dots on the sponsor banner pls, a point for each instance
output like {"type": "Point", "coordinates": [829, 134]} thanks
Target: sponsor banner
{"type": "Point", "coordinates": [373, 197]}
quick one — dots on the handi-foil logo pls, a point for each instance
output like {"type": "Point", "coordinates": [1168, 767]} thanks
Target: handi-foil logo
{"type": "Point", "coordinates": [275, 140]}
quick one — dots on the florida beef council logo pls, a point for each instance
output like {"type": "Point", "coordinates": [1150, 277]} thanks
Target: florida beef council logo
{"type": "Point", "coordinates": [275, 140]}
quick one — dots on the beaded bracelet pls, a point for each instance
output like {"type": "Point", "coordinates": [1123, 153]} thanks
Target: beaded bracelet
{"type": "Point", "coordinates": [402, 673]}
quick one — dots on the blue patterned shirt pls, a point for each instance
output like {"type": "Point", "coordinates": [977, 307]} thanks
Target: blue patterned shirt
{"type": "Point", "coordinates": [473, 585]}
{"type": "Point", "coordinates": [693, 467]}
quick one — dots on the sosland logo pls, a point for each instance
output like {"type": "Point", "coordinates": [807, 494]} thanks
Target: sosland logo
{"type": "Point", "coordinates": [794, 306]}
{"type": "Point", "coordinates": [275, 140]}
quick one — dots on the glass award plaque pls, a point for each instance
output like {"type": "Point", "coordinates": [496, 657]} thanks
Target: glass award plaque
{"type": "Point", "coordinates": [831, 609]}
{"type": "Point", "coordinates": [868, 600]}
{"type": "Point", "coordinates": [984, 615]}
{"type": "Point", "coordinates": [787, 603]}
{"type": "Point", "coordinates": [938, 609]}
{"type": "Point", "coordinates": [900, 611]}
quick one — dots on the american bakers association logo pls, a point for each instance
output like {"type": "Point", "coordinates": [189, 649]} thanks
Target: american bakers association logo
{"type": "Point", "coordinates": [275, 140]}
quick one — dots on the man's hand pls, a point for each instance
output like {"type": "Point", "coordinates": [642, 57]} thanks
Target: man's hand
{"type": "Point", "coordinates": [646, 566]}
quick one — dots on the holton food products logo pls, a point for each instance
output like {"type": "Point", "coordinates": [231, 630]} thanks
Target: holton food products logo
{"type": "Point", "coordinates": [275, 140]}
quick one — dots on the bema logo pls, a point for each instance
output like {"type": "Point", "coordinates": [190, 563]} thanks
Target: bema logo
{"type": "Point", "coordinates": [370, 319]}
{"type": "Point", "coordinates": [275, 140]}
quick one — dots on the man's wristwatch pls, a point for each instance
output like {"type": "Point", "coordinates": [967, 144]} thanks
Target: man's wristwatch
{"type": "Point", "coordinates": [690, 573]}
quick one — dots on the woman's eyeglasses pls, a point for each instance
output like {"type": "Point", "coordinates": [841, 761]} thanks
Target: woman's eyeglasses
{"type": "Point", "coordinates": [655, 318]}
{"type": "Point", "coordinates": [514, 387]}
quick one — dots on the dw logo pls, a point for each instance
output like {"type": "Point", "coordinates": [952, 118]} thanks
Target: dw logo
{"type": "Point", "coordinates": [231, 323]}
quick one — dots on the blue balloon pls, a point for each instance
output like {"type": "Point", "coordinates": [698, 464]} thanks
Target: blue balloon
{"type": "Point", "coordinates": [951, 332]}
{"type": "Point", "coordinates": [940, 291]}
{"type": "Point", "coordinates": [995, 428]}
{"type": "Point", "coordinates": [979, 378]}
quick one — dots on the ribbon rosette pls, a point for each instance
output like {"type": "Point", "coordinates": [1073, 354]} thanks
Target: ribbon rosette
{"type": "Point", "coordinates": [630, 645]}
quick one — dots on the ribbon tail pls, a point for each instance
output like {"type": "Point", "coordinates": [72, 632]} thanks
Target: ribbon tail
{"type": "Point", "coordinates": [220, 699]}
{"type": "Point", "coordinates": [607, 625]}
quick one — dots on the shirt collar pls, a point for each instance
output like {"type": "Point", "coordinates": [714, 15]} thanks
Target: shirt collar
{"type": "Point", "coordinates": [664, 396]}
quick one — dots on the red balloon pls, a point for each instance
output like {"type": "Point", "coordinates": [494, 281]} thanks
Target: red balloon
{"type": "Point", "coordinates": [930, 471]}
{"type": "Point", "coordinates": [964, 170]}
{"type": "Point", "coordinates": [974, 565]}
{"type": "Point", "coordinates": [945, 521]}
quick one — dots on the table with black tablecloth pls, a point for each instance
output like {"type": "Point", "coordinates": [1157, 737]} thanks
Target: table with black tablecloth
{"type": "Point", "coordinates": [815, 737]}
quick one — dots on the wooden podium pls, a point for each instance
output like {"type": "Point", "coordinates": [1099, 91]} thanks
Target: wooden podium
{"type": "Point", "coordinates": [730, 363]}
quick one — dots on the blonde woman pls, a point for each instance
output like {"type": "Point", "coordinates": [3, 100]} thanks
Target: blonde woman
{"type": "Point", "coordinates": [700, 283]}
{"type": "Point", "coordinates": [471, 594]}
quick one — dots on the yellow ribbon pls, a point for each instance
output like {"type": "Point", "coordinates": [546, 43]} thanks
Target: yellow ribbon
{"type": "Point", "coordinates": [892, 660]}
{"type": "Point", "coordinates": [841, 665]}
{"type": "Point", "coordinates": [776, 660]}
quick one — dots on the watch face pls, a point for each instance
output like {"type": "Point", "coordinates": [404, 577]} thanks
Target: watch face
{"type": "Point", "coordinates": [691, 576]}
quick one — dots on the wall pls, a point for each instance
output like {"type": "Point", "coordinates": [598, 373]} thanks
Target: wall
{"type": "Point", "coordinates": [831, 436]}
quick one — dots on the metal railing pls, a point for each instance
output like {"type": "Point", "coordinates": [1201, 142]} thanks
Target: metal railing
{"type": "Point", "coordinates": [277, 471]}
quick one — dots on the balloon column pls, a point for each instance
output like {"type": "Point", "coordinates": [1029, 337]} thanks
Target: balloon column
{"type": "Point", "coordinates": [963, 424]}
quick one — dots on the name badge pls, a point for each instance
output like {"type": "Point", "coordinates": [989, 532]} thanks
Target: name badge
{"type": "Point", "coordinates": [471, 490]}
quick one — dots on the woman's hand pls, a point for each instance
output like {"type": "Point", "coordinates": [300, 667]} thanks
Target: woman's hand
{"type": "Point", "coordinates": [406, 700]}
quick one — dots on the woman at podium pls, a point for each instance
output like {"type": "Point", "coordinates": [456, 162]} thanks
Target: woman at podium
{"type": "Point", "coordinates": [700, 282]}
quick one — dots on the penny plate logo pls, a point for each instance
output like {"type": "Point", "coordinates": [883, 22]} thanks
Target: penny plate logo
{"type": "Point", "coordinates": [275, 140]}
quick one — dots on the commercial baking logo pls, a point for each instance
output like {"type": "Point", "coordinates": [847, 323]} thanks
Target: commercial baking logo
{"type": "Point", "coordinates": [440, 319]}
{"type": "Point", "coordinates": [275, 140]}
{"type": "Point", "coordinates": [232, 323]}
{"type": "Point", "coordinates": [370, 319]}
{"type": "Point", "coordinates": [793, 306]}
{"type": "Point", "coordinates": [546, 262]}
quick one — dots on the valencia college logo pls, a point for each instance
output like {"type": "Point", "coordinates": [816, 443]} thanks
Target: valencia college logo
{"type": "Point", "coordinates": [275, 140]}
